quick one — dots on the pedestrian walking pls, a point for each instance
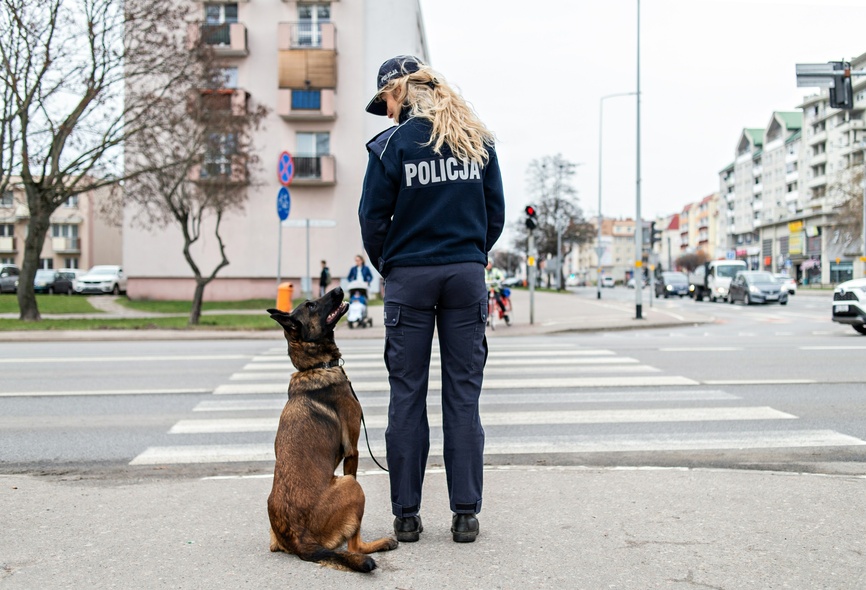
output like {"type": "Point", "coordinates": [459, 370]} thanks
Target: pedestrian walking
{"type": "Point", "coordinates": [431, 209]}
{"type": "Point", "coordinates": [324, 279]}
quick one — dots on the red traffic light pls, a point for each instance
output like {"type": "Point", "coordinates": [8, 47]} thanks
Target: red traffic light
{"type": "Point", "coordinates": [530, 210]}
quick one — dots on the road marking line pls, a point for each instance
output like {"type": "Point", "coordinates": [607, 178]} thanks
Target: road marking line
{"type": "Point", "coordinates": [349, 357]}
{"type": "Point", "coordinates": [491, 362]}
{"type": "Point", "coordinates": [126, 359]}
{"type": "Point", "coordinates": [433, 401]}
{"type": "Point", "coordinates": [591, 443]}
{"type": "Point", "coordinates": [700, 349]}
{"type": "Point", "coordinates": [760, 382]}
{"type": "Point", "coordinates": [102, 392]}
{"type": "Point", "coordinates": [832, 347]}
{"type": "Point", "coordinates": [660, 415]}
{"type": "Point", "coordinates": [382, 373]}
{"type": "Point", "coordinates": [489, 384]}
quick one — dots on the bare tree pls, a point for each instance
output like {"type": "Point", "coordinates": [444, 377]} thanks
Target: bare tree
{"type": "Point", "coordinates": [689, 262]}
{"type": "Point", "coordinates": [549, 181]}
{"type": "Point", "coordinates": [78, 78]}
{"type": "Point", "coordinates": [201, 161]}
{"type": "Point", "coordinates": [847, 190]}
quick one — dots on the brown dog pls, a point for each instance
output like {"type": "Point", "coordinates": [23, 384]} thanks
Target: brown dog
{"type": "Point", "coordinates": [313, 511]}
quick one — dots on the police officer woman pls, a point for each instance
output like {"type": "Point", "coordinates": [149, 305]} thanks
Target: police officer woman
{"type": "Point", "coordinates": [432, 207]}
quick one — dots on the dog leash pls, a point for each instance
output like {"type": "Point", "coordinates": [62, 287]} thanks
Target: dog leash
{"type": "Point", "coordinates": [364, 424]}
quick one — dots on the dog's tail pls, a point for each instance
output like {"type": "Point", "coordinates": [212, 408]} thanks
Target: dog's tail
{"type": "Point", "coordinates": [357, 562]}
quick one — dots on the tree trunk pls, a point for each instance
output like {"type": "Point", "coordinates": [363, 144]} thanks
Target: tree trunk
{"type": "Point", "coordinates": [198, 296]}
{"type": "Point", "coordinates": [40, 221]}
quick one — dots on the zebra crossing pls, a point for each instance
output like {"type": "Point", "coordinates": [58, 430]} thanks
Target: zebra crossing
{"type": "Point", "coordinates": [541, 399]}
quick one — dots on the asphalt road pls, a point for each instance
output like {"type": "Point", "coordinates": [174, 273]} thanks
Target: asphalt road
{"type": "Point", "coordinates": [761, 387]}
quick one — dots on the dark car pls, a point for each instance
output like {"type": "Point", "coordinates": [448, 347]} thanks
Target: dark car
{"type": "Point", "coordinates": [9, 278]}
{"type": "Point", "coordinates": [672, 283]}
{"type": "Point", "coordinates": [52, 281]}
{"type": "Point", "coordinates": [755, 286]}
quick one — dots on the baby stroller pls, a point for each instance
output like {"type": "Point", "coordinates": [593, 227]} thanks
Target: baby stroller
{"type": "Point", "coordinates": [357, 315]}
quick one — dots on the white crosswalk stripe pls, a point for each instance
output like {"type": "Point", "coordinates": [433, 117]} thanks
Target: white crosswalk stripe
{"type": "Point", "coordinates": [538, 399]}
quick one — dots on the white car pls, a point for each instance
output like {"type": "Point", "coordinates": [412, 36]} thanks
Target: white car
{"type": "Point", "coordinates": [106, 278]}
{"type": "Point", "coordinates": [787, 283]}
{"type": "Point", "coordinates": [849, 304]}
{"type": "Point", "coordinates": [607, 282]}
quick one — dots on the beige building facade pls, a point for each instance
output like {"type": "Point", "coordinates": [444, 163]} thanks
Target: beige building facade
{"type": "Point", "coordinates": [82, 233]}
{"type": "Point", "coordinates": [313, 64]}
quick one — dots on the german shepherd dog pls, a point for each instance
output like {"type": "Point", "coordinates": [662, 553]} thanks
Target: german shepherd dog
{"type": "Point", "coordinates": [312, 510]}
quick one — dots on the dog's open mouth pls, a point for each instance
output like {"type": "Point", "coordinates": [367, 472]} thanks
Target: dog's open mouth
{"type": "Point", "coordinates": [337, 313]}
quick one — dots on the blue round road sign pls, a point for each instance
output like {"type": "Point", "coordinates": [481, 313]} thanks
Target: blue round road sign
{"type": "Point", "coordinates": [286, 169]}
{"type": "Point", "coordinates": [284, 203]}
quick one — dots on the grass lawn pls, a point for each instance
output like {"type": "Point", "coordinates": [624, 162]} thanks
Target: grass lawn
{"type": "Point", "coordinates": [218, 322]}
{"type": "Point", "coordinates": [50, 304]}
{"type": "Point", "coordinates": [186, 306]}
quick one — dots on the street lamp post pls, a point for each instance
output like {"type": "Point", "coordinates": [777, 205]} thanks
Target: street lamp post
{"type": "Point", "coordinates": [599, 250]}
{"type": "Point", "coordinates": [638, 226]}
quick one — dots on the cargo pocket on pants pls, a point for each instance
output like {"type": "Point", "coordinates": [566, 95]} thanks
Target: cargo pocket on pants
{"type": "Point", "coordinates": [479, 340]}
{"type": "Point", "coordinates": [395, 348]}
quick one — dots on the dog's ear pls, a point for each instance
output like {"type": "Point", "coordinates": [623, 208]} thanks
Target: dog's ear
{"type": "Point", "coordinates": [284, 319]}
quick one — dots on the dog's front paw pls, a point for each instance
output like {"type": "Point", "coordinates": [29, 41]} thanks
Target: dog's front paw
{"type": "Point", "coordinates": [392, 543]}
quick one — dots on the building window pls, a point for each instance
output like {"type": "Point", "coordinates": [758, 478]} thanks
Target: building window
{"type": "Point", "coordinates": [70, 263]}
{"type": "Point", "coordinates": [306, 100]}
{"type": "Point", "coordinates": [71, 202]}
{"type": "Point", "coordinates": [7, 230]}
{"type": "Point", "coordinates": [310, 20]}
{"type": "Point", "coordinates": [64, 230]}
{"type": "Point", "coordinates": [218, 155]}
{"type": "Point", "coordinates": [7, 199]}
{"type": "Point", "coordinates": [46, 263]}
{"type": "Point", "coordinates": [217, 22]}
{"type": "Point", "coordinates": [228, 78]}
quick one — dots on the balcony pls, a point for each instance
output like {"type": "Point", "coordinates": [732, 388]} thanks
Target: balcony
{"type": "Point", "coordinates": [792, 196]}
{"type": "Point", "coordinates": [219, 102]}
{"type": "Point", "coordinates": [852, 124]}
{"type": "Point", "coordinates": [819, 137]}
{"type": "Point", "coordinates": [818, 159]}
{"type": "Point", "coordinates": [757, 188]}
{"type": "Point", "coordinates": [306, 35]}
{"type": "Point", "coordinates": [229, 169]}
{"type": "Point", "coordinates": [757, 170]}
{"type": "Point", "coordinates": [313, 105]}
{"type": "Point", "coordinates": [314, 171]}
{"type": "Point", "coordinates": [66, 245]}
{"type": "Point", "coordinates": [7, 245]}
{"type": "Point", "coordinates": [817, 181]}
{"type": "Point", "coordinates": [226, 39]}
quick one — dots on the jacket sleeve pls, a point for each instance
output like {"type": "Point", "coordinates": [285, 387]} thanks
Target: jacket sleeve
{"type": "Point", "coordinates": [378, 200]}
{"type": "Point", "coordinates": [494, 198]}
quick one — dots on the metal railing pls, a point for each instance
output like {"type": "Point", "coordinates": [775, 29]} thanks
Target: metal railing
{"type": "Point", "coordinates": [216, 34]}
{"type": "Point", "coordinates": [308, 167]}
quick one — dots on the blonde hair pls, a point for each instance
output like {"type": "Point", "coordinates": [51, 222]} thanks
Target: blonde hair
{"type": "Point", "coordinates": [454, 122]}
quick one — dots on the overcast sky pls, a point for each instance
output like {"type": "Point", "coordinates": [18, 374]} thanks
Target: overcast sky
{"type": "Point", "coordinates": [535, 72]}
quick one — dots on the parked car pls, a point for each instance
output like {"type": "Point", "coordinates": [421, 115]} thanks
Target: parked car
{"type": "Point", "coordinates": [849, 304]}
{"type": "Point", "coordinates": [73, 274]}
{"type": "Point", "coordinates": [672, 283]}
{"type": "Point", "coordinates": [630, 283]}
{"type": "Point", "coordinates": [607, 282]}
{"type": "Point", "coordinates": [9, 278]}
{"type": "Point", "coordinates": [755, 286]}
{"type": "Point", "coordinates": [787, 283]}
{"type": "Point", "coordinates": [107, 278]}
{"type": "Point", "coordinates": [52, 281]}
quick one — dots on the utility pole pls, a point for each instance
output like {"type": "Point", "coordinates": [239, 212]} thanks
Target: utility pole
{"type": "Point", "coordinates": [638, 229]}
{"type": "Point", "coordinates": [533, 265]}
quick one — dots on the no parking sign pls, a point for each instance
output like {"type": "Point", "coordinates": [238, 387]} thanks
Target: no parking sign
{"type": "Point", "coordinates": [286, 169]}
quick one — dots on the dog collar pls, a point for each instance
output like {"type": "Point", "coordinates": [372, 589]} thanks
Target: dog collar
{"type": "Point", "coordinates": [330, 364]}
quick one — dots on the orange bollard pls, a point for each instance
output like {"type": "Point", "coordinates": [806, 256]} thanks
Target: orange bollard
{"type": "Point", "coordinates": [284, 297]}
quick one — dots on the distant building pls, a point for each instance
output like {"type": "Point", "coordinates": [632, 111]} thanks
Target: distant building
{"type": "Point", "coordinates": [81, 235]}
{"type": "Point", "coordinates": [314, 65]}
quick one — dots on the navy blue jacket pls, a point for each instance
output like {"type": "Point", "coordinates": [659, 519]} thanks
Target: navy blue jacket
{"type": "Point", "coordinates": [419, 208]}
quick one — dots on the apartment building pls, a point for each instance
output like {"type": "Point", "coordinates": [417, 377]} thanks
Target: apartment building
{"type": "Point", "coordinates": [81, 235]}
{"type": "Point", "coordinates": [314, 65]}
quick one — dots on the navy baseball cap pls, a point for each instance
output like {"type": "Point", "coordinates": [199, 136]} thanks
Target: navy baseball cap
{"type": "Point", "coordinates": [396, 67]}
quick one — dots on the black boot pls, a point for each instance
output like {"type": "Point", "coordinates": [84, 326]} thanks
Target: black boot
{"type": "Point", "coordinates": [408, 528]}
{"type": "Point", "coordinates": [464, 528]}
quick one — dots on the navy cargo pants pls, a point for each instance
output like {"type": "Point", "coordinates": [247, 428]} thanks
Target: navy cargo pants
{"type": "Point", "coordinates": [453, 298]}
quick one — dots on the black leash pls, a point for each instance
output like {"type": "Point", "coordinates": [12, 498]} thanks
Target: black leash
{"type": "Point", "coordinates": [364, 424]}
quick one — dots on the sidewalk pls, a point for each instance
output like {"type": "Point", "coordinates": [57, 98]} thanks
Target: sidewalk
{"type": "Point", "coordinates": [583, 528]}
{"type": "Point", "coordinates": [554, 312]}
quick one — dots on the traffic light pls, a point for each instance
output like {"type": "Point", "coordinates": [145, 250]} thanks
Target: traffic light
{"type": "Point", "coordinates": [655, 234]}
{"type": "Point", "coordinates": [841, 95]}
{"type": "Point", "coordinates": [531, 219]}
